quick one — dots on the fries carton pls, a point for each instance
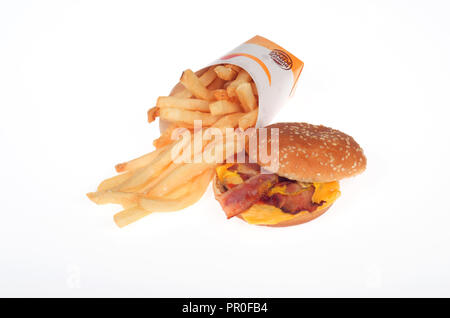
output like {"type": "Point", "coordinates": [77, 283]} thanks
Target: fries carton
{"type": "Point", "coordinates": [274, 70]}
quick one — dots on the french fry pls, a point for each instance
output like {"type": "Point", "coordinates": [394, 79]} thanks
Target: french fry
{"type": "Point", "coordinates": [195, 151]}
{"type": "Point", "coordinates": [152, 113]}
{"type": "Point", "coordinates": [186, 188]}
{"type": "Point", "coordinates": [242, 76]}
{"type": "Point", "coordinates": [129, 215]}
{"type": "Point", "coordinates": [220, 94]}
{"type": "Point", "coordinates": [147, 206]}
{"type": "Point", "coordinates": [200, 184]}
{"type": "Point", "coordinates": [183, 103]}
{"type": "Point", "coordinates": [126, 199]}
{"type": "Point", "coordinates": [156, 171]}
{"type": "Point", "coordinates": [187, 116]}
{"type": "Point", "coordinates": [182, 191]}
{"type": "Point", "coordinates": [184, 93]}
{"type": "Point", "coordinates": [254, 89]}
{"type": "Point", "coordinates": [218, 150]}
{"type": "Point", "coordinates": [234, 67]}
{"type": "Point", "coordinates": [208, 78]}
{"type": "Point", "coordinates": [216, 84]}
{"type": "Point", "coordinates": [165, 138]}
{"type": "Point", "coordinates": [223, 107]}
{"type": "Point", "coordinates": [231, 120]}
{"type": "Point", "coordinates": [225, 86]}
{"type": "Point", "coordinates": [181, 124]}
{"type": "Point", "coordinates": [225, 73]}
{"type": "Point", "coordinates": [232, 148]}
{"type": "Point", "coordinates": [245, 94]}
{"type": "Point", "coordinates": [144, 175]}
{"type": "Point", "coordinates": [249, 119]}
{"type": "Point", "coordinates": [162, 141]}
{"type": "Point", "coordinates": [235, 100]}
{"type": "Point", "coordinates": [194, 85]}
{"type": "Point", "coordinates": [138, 162]}
{"type": "Point", "coordinates": [173, 180]}
{"type": "Point", "coordinates": [155, 181]}
{"type": "Point", "coordinates": [115, 181]}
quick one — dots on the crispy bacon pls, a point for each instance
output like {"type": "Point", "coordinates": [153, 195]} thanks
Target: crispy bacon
{"type": "Point", "coordinates": [241, 197]}
{"type": "Point", "coordinates": [300, 202]}
{"type": "Point", "coordinates": [246, 170]}
{"type": "Point", "coordinates": [295, 200]}
{"type": "Point", "coordinates": [275, 200]}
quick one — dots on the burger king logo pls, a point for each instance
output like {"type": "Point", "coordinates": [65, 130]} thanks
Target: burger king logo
{"type": "Point", "coordinates": [281, 58]}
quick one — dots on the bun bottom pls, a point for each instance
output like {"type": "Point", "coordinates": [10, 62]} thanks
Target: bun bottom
{"type": "Point", "coordinates": [300, 219]}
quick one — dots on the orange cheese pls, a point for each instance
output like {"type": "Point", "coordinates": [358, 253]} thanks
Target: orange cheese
{"type": "Point", "coordinates": [226, 176]}
{"type": "Point", "coordinates": [328, 192]}
{"type": "Point", "coordinates": [282, 190]}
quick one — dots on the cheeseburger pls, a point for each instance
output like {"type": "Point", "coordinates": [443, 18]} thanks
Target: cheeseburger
{"type": "Point", "coordinates": [312, 160]}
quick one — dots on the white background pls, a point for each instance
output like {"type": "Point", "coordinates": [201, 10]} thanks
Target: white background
{"type": "Point", "coordinates": [76, 80]}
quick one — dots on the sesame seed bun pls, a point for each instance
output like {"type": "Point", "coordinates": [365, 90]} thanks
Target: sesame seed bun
{"type": "Point", "coordinates": [311, 153]}
{"type": "Point", "coordinates": [301, 217]}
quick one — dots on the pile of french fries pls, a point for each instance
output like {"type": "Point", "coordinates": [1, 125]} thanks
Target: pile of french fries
{"type": "Point", "coordinates": [222, 96]}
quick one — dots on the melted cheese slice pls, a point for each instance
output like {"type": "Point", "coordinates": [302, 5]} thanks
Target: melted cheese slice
{"type": "Point", "coordinates": [328, 192]}
{"type": "Point", "coordinates": [228, 177]}
{"type": "Point", "coordinates": [282, 190]}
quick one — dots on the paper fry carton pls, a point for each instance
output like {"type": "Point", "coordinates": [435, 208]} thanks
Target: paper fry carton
{"type": "Point", "coordinates": [274, 70]}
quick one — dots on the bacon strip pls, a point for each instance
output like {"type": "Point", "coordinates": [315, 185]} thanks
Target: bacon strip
{"type": "Point", "coordinates": [246, 170]}
{"type": "Point", "coordinates": [300, 202]}
{"type": "Point", "coordinates": [243, 196]}
{"type": "Point", "coordinates": [298, 199]}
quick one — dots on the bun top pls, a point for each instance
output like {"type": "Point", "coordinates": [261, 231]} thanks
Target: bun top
{"type": "Point", "coordinates": [311, 153]}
